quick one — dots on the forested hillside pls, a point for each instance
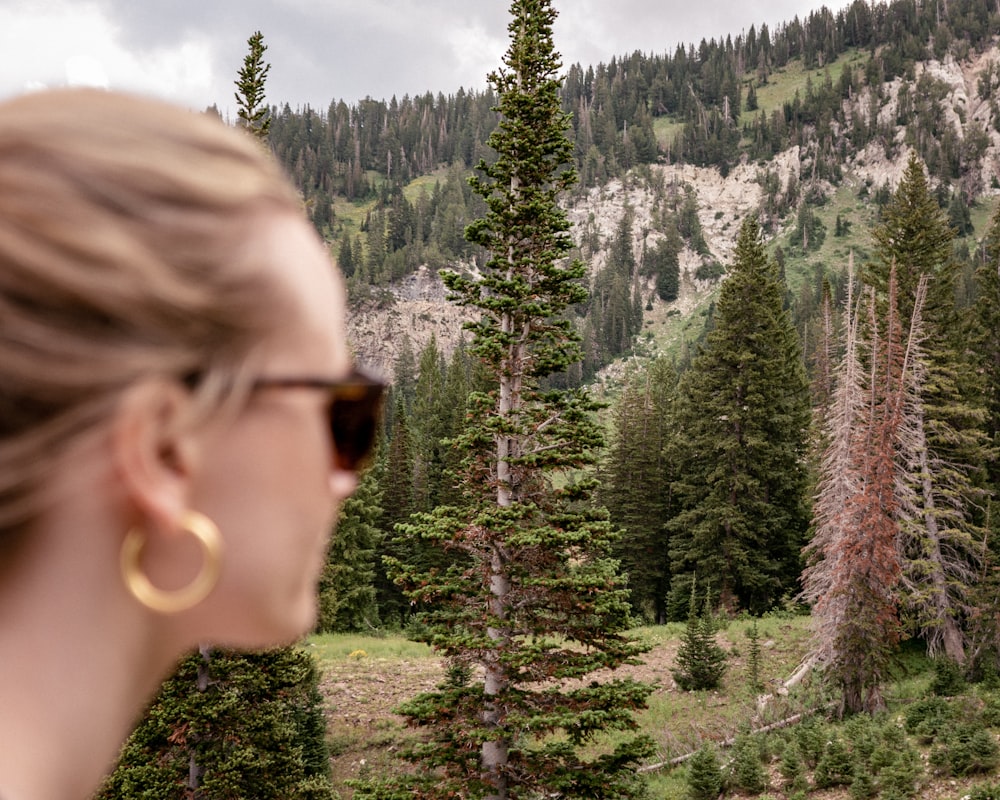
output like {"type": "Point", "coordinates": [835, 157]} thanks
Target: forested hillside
{"type": "Point", "coordinates": [806, 128]}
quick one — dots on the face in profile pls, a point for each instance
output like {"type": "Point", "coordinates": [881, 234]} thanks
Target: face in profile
{"type": "Point", "coordinates": [269, 478]}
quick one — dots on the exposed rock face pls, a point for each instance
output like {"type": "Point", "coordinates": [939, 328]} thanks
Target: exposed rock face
{"type": "Point", "coordinates": [418, 308]}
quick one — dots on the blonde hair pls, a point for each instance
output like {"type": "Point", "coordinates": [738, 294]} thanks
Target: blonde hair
{"type": "Point", "coordinates": [123, 254]}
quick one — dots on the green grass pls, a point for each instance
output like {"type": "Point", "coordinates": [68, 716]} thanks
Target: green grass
{"type": "Point", "coordinates": [425, 183]}
{"type": "Point", "coordinates": [833, 255]}
{"type": "Point", "coordinates": [367, 741]}
{"type": "Point", "coordinates": [666, 129]}
{"type": "Point", "coordinates": [783, 83]}
{"type": "Point", "coordinates": [334, 647]}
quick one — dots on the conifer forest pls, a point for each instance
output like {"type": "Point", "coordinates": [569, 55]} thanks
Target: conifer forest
{"type": "Point", "coordinates": [654, 409]}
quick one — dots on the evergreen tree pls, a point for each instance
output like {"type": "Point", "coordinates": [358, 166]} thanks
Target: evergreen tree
{"type": "Point", "coordinates": [247, 726]}
{"type": "Point", "coordinates": [746, 770]}
{"type": "Point", "coordinates": [940, 540]}
{"type": "Point", "coordinates": [740, 444]}
{"type": "Point", "coordinates": [347, 587]}
{"type": "Point", "coordinates": [855, 568]}
{"type": "Point", "coordinates": [397, 494]}
{"type": "Point", "coordinates": [987, 342]}
{"type": "Point", "coordinates": [986, 346]}
{"type": "Point", "coordinates": [430, 425]}
{"type": "Point", "coordinates": [536, 581]}
{"type": "Point", "coordinates": [635, 485]}
{"type": "Point", "coordinates": [700, 662]}
{"type": "Point", "coordinates": [251, 108]}
{"type": "Point", "coordinates": [704, 777]}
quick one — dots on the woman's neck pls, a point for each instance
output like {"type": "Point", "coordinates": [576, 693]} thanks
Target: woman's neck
{"type": "Point", "coordinates": [78, 663]}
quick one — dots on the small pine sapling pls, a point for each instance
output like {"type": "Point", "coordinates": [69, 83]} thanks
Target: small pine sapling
{"type": "Point", "coordinates": [700, 663]}
{"type": "Point", "coordinates": [704, 777]}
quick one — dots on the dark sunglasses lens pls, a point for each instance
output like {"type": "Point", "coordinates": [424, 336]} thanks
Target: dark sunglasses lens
{"type": "Point", "coordinates": [353, 423]}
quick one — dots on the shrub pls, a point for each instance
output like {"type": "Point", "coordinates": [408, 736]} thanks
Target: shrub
{"type": "Point", "coordinates": [791, 766]}
{"type": "Point", "coordinates": [745, 770]}
{"type": "Point", "coordinates": [835, 767]}
{"type": "Point", "coordinates": [984, 791]}
{"type": "Point", "coordinates": [863, 786]}
{"type": "Point", "coordinates": [991, 711]}
{"type": "Point", "coordinates": [925, 718]}
{"type": "Point", "coordinates": [864, 734]}
{"type": "Point", "coordinates": [704, 776]}
{"type": "Point", "coordinates": [811, 736]}
{"type": "Point", "coordinates": [898, 779]}
{"type": "Point", "coordinates": [965, 750]}
{"type": "Point", "coordinates": [948, 679]}
{"type": "Point", "coordinates": [711, 271]}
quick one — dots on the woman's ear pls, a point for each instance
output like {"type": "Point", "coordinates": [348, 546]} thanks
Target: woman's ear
{"type": "Point", "coordinates": [155, 449]}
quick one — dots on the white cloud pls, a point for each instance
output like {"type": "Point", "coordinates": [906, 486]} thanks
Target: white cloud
{"type": "Point", "coordinates": [474, 52]}
{"type": "Point", "coordinates": [72, 44]}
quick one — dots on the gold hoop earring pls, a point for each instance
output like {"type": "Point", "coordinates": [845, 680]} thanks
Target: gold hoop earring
{"type": "Point", "coordinates": [207, 534]}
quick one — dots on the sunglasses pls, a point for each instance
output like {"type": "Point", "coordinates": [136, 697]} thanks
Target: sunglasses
{"type": "Point", "coordinates": [354, 407]}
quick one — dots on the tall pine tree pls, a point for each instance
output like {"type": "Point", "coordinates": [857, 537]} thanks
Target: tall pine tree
{"type": "Point", "coordinates": [635, 485]}
{"type": "Point", "coordinates": [740, 445]}
{"type": "Point", "coordinates": [536, 604]}
{"type": "Point", "coordinates": [940, 540]}
{"type": "Point", "coordinates": [251, 107]}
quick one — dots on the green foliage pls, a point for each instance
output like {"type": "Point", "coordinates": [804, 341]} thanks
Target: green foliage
{"type": "Point", "coordinates": [746, 771]}
{"type": "Point", "coordinates": [792, 767]}
{"type": "Point", "coordinates": [965, 749]}
{"type": "Point", "coordinates": [948, 678]}
{"type": "Point", "coordinates": [811, 736]}
{"type": "Point", "coordinates": [700, 662]}
{"type": "Point", "coordinates": [753, 658]}
{"type": "Point", "coordinates": [248, 726]}
{"type": "Point", "coordinates": [991, 711]}
{"type": "Point", "coordinates": [526, 592]}
{"type": "Point", "coordinates": [739, 448]}
{"type": "Point", "coordinates": [704, 775]}
{"type": "Point", "coordinates": [251, 108]}
{"type": "Point", "coordinates": [347, 586]}
{"type": "Point", "coordinates": [863, 786]}
{"type": "Point", "coordinates": [635, 486]}
{"type": "Point", "coordinates": [809, 230]}
{"type": "Point", "coordinates": [925, 718]}
{"type": "Point", "coordinates": [983, 791]}
{"type": "Point", "coordinates": [835, 766]}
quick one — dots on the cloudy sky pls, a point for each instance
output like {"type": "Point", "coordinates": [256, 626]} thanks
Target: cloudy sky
{"type": "Point", "coordinates": [190, 50]}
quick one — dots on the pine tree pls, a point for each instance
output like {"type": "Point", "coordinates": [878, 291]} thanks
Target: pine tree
{"type": "Point", "coordinates": [240, 726]}
{"type": "Point", "coordinates": [940, 538]}
{"type": "Point", "coordinates": [987, 341]}
{"type": "Point", "coordinates": [855, 568]}
{"type": "Point", "coordinates": [704, 777]}
{"type": "Point", "coordinates": [431, 425]}
{"type": "Point", "coordinates": [251, 108]}
{"type": "Point", "coordinates": [536, 581]}
{"type": "Point", "coordinates": [746, 770]}
{"type": "Point", "coordinates": [700, 662]}
{"type": "Point", "coordinates": [396, 490]}
{"type": "Point", "coordinates": [754, 658]}
{"type": "Point", "coordinates": [986, 346]}
{"type": "Point", "coordinates": [347, 599]}
{"type": "Point", "coordinates": [914, 236]}
{"type": "Point", "coordinates": [741, 440]}
{"type": "Point", "coordinates": [635, 485]}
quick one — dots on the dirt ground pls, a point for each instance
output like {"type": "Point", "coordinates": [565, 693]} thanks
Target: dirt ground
{"type": "Point", "coordinates": [360, 694]}
{"type": "Point", "coordinates": [365, 736]}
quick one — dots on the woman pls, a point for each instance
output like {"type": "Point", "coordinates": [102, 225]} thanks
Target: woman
{"type": "Point", "coordinates": [179, 417]}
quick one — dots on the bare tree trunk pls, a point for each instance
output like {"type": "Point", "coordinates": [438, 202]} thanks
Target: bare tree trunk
{"type": "Point", "coordinates": [195, 770]}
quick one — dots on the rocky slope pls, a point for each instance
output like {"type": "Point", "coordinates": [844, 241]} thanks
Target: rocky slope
{"type": "Point", "coordinates": [418, 308]}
